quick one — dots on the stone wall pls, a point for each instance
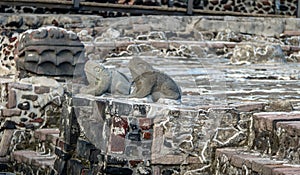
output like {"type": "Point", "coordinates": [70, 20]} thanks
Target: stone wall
{"type": "Point", "coordinates": [47, 127]}
{"type": "Point", "coordinates": [244, 6]}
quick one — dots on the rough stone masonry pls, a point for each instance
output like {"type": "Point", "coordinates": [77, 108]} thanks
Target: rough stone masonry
{"type": "Point", "coordinates": [239, 110]}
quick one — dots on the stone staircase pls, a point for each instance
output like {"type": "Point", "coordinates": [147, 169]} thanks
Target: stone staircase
{"type": "Point", "coordinates": [275, 147]}
{"type": "Point", "coordinates": [41, 160]}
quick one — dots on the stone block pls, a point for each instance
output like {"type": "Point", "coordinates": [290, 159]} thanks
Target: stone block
{"type": "Point", "coordinates": [121, 109]}
{"type": "Point", "coordinates": [146, 123]}
{"type": "Point", "coordinates": [84, 148]}
{"type": "Point", "coordinates": [24, 105]}
{"type": "Point", "coordinates": [62, 154]}
{"type": "Point", "coordinates": [77, 101]}
{"type": "Point", "coordinates": [5, 142]}
{"type": "Point", "coordinates": [286, 171]}
{"type": "Point", "coordinates": [20, 86]}
{"type": "Point", "coordinates": [11, 112]}
{"type": "Point", "coordinates": [41, 134]}
{"type": "Point", "coordinates": [266, 121]}
{"type": "Point", "coordinates": [113, 160]}
{"type": "Point", "coordinates": [147, 135]}
{"type": "Point", "coordinates": [60, 166]}
{"type": "Point", "coordinates": [41, 89]}
{"type": "Point", "coordinates": [117, 144]}
{"type": "Point", "coordinates": [94, 156]}
{"type": "Point", "coordinates": [75, 167]}
{"type": "Point", "coordinates": [292, 128]}
{"type": "Point", "coordinates": [12, 99]}
{"type": "Point", "coordinates": [29, 97]}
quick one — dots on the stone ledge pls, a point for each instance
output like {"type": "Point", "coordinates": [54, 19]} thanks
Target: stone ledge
{"type": "Point", "coordinates": [33, 158]}
{"type": "Point", "coordinates": [46, 133]}
{"type": "Point", "coordinates": [266, 121]}
{"type": "Point", "coordinates": [241, 161]}
{"type": "Point", "coordinates": [292, 128]}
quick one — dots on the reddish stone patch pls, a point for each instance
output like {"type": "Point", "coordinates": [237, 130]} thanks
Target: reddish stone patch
{"type": "Point", "coordinates": [147, 135]}
{"type": "Point", "coordinates": [37, 120]}
{"type": "Point", "coordinates": [120, 126]}
{"type": "Point", "coordinates": [117, 144]}
{"type": "Point", "coordinates": [134, 163]}
{"type": "Point", "coordinates": [146, 123]}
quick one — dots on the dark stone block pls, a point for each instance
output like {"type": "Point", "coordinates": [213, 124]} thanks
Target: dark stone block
{"type": "Point", "coordinates": [111, 160]}
{"type": "Point", "coordinates": [29, 126]}
{"type": "Point", "coordinates": [134, 163]}
{"type": "Point", "coordinates": [29, 97]}
{"type": "Point", "coordinates": [72, 128]}
{"type": "Point", "coordinates": [32, 115]}
{"type": "Point", "coordinates": [24, 106]}
{"type": "Point", "coordinates": [74, 167]}
{"type": "Point", "coordinates": [62, 154]}
{"type": "Point", "coordinates": [94, 156]}
{"type": "Point", "coordinates": [134, 136]}
{"type": "Point", "coordinates": [84, 148]}
{"type": "Point", "coordinates": [118, 171]}
{"type": "Point", "coordinates": [60, 166]}
{"type": "Point", "coordinates": [3, 167]}
{"type": "Point", "coordinates": [9, 125]}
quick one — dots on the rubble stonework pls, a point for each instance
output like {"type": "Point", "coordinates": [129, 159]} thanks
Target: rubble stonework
{"type": "Point", "coordinates": [247, 6]}
{"type": "Point", "coordinates": [233, 117]}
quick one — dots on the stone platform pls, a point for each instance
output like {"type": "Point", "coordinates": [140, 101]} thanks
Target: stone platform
{"type": "Point", "coordinates": [238, 113]}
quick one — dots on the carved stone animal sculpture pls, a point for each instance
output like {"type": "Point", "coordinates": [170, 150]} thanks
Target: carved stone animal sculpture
{"type": "Point", "coordinates": [102, 80]}
{"type": "Point", "coordinates": [149, 81]}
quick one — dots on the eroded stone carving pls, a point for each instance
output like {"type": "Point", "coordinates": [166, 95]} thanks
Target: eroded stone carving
{"type": "Point", "coordinates": [102, 80]}
{"type": "Point", "coordinates": [50, 51]}
{"type": "Point", "coordinates": [149, 81]}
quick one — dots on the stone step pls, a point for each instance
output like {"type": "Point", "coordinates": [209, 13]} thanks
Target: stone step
{"type": "Point", "coordinates": [33, 158]}
{"type": "Point", "coordinates": [241, 161]}
{"type": "Point", "coordinates": [276, 134]}
{"type": "Point", "coordinates": [47, 135]}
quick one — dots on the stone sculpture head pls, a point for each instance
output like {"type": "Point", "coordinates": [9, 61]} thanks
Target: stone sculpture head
{"type": "Point", "coordinates": [137, 67]}
{"type": "Point", "coordinates": [94, 71]}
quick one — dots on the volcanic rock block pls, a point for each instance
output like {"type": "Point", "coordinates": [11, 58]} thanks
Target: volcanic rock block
{"type": "Point", "coordinates": [50, 51]}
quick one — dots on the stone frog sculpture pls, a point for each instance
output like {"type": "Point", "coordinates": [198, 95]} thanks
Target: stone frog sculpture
{"type": "Point", "coordinates": [103, 80]}
{"type": "Point", "coordinates": [149, 81]}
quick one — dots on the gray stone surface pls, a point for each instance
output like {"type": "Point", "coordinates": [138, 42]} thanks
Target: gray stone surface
{"type": "Point", "coordinates": [149, 81]}
{"type": "Point", "coordinates": [103, 80]}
